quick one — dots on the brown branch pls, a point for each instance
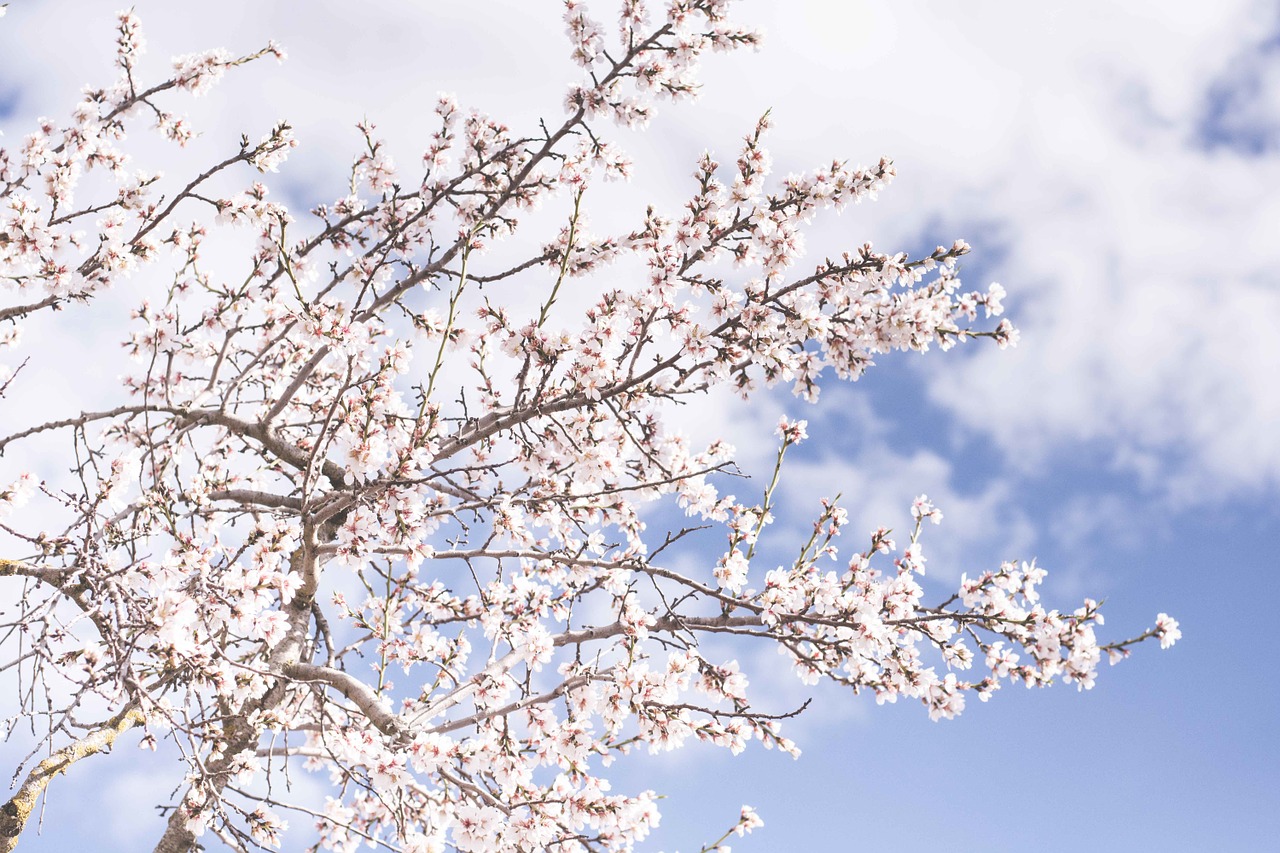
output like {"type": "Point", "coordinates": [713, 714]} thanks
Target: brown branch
{"type": "Point", "coordinates": [373, 706]}
{"type": "Point", "coordinates": [258, 498]}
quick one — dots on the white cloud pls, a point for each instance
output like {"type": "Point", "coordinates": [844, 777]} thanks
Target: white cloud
{"type": "Point", "coordinates": [1138, 248]}
{"type": "Point", "coordinates": [1140, 262]}
{"type": "Point", "coordinates": [1149, 325]}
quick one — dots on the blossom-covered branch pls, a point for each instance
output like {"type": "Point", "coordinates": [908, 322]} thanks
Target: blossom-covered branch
{"type": "Point", "coordinates": [366, 508]}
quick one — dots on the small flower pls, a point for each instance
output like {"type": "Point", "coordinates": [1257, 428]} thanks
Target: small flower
{"type": "Point", "coordinates": [1167, 630]}
{"type": "Point", "coordinates": [731, 571]}
{"type": "Point", "coordinates": [197, 72]}
{"type": "Point", "coordinates": [1006, 335]}
{"type": "Point", "coordinates": [792, 432]}
{"type": "Point", "coordinates": [748, 821]}
{"type": "Point", "coordinates": [274, 148]}
{"type": "Point", "coordinates": [923, 508]}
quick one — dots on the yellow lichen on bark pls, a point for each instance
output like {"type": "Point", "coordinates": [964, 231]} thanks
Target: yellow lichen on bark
{"type": "Point", "coordinates": [14, 814]}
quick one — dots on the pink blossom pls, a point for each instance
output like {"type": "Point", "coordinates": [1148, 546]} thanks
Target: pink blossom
{"type": "Point", "coordinates": [390, 506]}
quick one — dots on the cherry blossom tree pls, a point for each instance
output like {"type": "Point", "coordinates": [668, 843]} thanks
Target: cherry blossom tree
{"type": "Point", "coordinates": [360, 513]}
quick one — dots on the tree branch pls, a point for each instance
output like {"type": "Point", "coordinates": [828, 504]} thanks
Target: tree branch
{"type": "Point", "coordinates": [14, 814]}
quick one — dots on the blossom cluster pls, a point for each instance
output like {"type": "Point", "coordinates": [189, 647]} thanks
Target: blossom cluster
{"type": "Point", "coordinates": [356, 514]}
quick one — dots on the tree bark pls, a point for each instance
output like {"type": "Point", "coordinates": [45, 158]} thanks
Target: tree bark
{"type": "Point", "coordinates": [15, 813]}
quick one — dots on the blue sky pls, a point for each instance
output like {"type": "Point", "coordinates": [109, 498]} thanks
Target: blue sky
{"type": "Point", "coordinates": [1116, 169]}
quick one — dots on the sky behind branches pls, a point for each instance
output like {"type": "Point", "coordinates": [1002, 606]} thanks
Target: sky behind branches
{"type": "Point", "coordinates": [1115, 166]}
